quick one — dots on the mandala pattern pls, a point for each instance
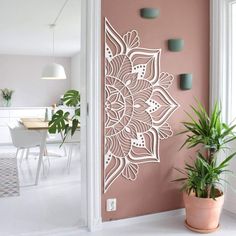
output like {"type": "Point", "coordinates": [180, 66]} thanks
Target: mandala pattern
{"type": "Point", "coordinates": [137, 105]}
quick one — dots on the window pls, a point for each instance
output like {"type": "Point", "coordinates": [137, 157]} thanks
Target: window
{"type": "Point", "coordinates": [233, 61]}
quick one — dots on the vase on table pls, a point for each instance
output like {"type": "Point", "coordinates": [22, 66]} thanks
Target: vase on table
{"type": "Point", "coordinates": [6, 103]}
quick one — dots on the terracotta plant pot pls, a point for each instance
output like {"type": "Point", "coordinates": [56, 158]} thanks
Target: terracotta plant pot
{"type": "Point", "coordinates": [203, 214]}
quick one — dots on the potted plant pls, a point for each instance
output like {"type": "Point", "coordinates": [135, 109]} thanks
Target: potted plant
{"type": "Point", "coordinates": [202, 180]}
{"type": "Point", "coordinates": [7, 95]}
{"type": "Point", "coordinates": [62, 121]}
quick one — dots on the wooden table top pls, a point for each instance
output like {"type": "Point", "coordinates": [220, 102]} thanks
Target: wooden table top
{"type": "Point", "coordinates": [34, 123]}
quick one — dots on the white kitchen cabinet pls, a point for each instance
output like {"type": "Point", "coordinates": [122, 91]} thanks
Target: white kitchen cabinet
{"type": "Point", "coordinates": [4, 135]}
{"type": "Point", "coordinates": [10, 114]}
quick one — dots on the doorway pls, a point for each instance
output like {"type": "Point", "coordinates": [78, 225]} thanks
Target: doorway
{"type": "Point", "coordinates": [56, 203]}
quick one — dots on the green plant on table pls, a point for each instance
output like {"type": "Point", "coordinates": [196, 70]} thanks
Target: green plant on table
{"type": "Point", "coordinates": [64, 122]}
{"type": "Point", "coordinates": [7, 94]}
{"type": "Point", "coordinates": [203, 177]}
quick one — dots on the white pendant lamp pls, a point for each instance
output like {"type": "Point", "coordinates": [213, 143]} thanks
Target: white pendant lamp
{"type": "Point", "coordinates": [54, 71]}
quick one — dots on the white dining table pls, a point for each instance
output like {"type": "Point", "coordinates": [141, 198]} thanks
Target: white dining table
{"type": "Point", "coordinates": [38, 124]}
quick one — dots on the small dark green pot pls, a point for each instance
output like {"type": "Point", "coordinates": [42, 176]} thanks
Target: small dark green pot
{"type": "Point", "coordinates": [175, 45]}
{"type": "Point", "coordinates": [186, 81]}
{"type": "Point", "coordinates": [149, 13]}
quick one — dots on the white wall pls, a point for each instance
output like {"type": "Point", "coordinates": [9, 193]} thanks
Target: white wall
{"type": "Point", "coordinates": [22, 74]}
{"type": "Point", "coordinates": [76, 72]}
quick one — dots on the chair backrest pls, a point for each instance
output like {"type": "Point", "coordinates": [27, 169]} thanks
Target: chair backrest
{"type": "Point", "coordinates": [22, 137]}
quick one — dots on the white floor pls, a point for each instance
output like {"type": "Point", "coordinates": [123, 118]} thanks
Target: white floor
{"type": "Point", "coordinates": [53, 204]}
{"type": "Point", "coordinates": [172, 226]}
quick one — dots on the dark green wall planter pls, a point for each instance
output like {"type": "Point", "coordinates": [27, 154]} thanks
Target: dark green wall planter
{"type": "Point", "coordinates": [186, 81]}
{"type": "Point", "coordinates": [175, 45]}
{"type": "Point", "coordinates": [149, 13]}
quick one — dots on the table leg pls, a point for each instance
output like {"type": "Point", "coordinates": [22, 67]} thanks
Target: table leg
{"type": "Point", "coordinates": [63, 146]}
{"type": "Point", "coordinates": [41, 153]}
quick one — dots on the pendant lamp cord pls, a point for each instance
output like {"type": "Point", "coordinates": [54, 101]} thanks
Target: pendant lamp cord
{"type": "Point", "coordinates": [53, 43]}
{"type": "Point", "coordinates": [60, 12]}
{"type": "Point", "coordinates": [53, 26]}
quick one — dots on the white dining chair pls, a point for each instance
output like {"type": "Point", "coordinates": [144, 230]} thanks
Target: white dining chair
{"type": "Point", "coordinates": [23, 139]}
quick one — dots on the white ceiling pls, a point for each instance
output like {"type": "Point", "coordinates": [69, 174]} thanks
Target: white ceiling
{"type": "Point", "coordinates": [24, 27]}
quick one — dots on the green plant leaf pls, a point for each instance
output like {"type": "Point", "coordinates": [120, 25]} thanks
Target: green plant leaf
{"type": "Point", "coordinates": [71, 98]}
{"type": "Point", "coordinates": [75, 123]}
{"type": "Point", "coordinates": [58, 122]}
{"type": "Point", "coordinates": [179, 180]}
{"type": "Point", "coordinates": [224, 163]}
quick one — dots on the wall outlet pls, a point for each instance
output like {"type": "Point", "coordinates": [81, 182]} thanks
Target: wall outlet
{"type": "Point", "coordinates": [111, 204]}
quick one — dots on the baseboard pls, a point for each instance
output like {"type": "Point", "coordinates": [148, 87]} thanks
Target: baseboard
{"type": "Point", "coordinates": [143, 219]}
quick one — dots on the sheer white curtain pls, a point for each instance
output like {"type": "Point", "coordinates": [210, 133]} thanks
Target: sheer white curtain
{"type": "Point", "coordinates": [233, 56]}
{"type": "Point", "coordinates": [231, 194]}
{"type": "Point", "coordinates": [223, 73]}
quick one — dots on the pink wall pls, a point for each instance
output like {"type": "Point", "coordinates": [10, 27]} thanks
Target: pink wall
{"type": "Point", "coordinates": [153, 191]}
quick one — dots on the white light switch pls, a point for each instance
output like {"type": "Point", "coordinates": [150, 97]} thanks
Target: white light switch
{"type": "Point", "coordinates": [111, 204]}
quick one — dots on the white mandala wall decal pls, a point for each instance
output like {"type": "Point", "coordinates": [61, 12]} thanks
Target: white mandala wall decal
{"type": "Point", "coordinates": [137, 105]}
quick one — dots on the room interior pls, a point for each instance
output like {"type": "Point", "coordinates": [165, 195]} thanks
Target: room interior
{"type": "Point", "coordinates": [150, 75]}
{"type": "Point", "coordinates": [38, 195]}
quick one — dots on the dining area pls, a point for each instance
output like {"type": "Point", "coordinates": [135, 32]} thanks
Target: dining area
{"type": "Point", "coordinates": [40, 166]}
{"type": "Point", "coordinates": [31, 140]}
{"type": "Point", "coordinates": [40, 152]}
{"type": "Point", "coordinates": [39, 171]}
{"type": "Point", "coordinates": [40, 133]}
{"type": "Point", "coordinates": [29, 133]}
